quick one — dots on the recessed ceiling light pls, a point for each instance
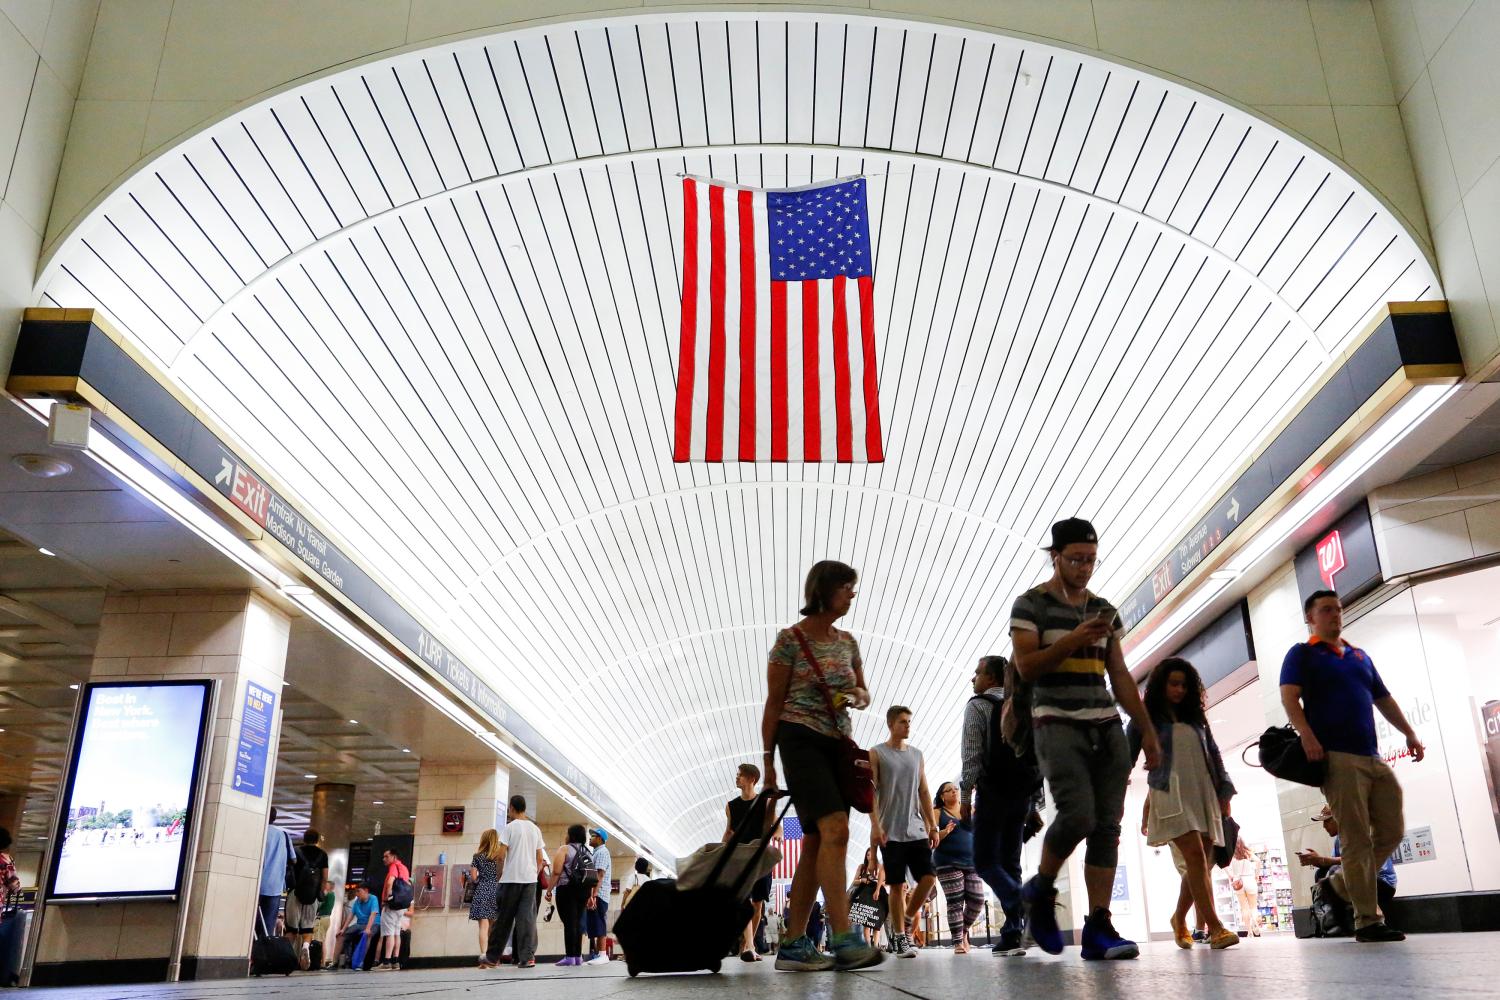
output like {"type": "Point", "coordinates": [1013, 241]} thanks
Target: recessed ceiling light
{"type": "Point", "coordinates": [378, 802]}
{"type": "Point", "coordinates": [353, 722]}
{"type": "Point", "coordinates": [42, 466]}
{"type": "Point", "coordinates": [406, 749]}
{"type": "Point", "coordinates": [2, 729]}
{"type": "Point", "coordinates": [413, 816]}
{"type": "Point", "coordinates": [309, 777]}
{"type": "Point", "coordinates": [72, 687]}
{"type": "Point", "coordinates": [46, 552]}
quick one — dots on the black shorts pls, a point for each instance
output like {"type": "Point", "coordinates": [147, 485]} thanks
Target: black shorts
{"type": "Point", "coordinates": [808, 759]}
{"type": "Point", "coordinates": [901, 857]}
{"type": "Point", "coordinates": [761, 890]}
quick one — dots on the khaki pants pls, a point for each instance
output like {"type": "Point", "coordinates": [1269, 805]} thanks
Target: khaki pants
{"type": "Point", "coordinates": [1366, 800]}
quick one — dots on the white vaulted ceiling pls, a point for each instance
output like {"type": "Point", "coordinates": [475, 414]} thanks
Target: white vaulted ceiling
{"type": "Point", "coordinates": [437, 298]}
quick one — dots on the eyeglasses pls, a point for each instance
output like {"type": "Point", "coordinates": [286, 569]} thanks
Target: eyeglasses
{"type": "Point", "coordinates": [1079, 562]}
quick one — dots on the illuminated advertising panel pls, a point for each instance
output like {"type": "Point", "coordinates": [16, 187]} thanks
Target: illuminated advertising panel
{"type": "Point", "coordinates": [131, 789]}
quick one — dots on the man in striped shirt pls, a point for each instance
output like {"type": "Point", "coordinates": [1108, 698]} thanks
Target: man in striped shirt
{"type": "Point", "coordinates": [1067, 643]}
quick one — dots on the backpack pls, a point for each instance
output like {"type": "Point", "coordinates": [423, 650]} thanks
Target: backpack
{"type": "Point", "coordinates": [1015, 717]}
{"type": "Point", "coordinates": [400, 897]}
{"type": "Point", "coordinates": [1331, 916]}
{"type": "Point", "coordinates": [1001, 767]}
{"type": "Point", "coordinates": [304, 879]}
{"type": "Point", "coordinates": [580, 868]}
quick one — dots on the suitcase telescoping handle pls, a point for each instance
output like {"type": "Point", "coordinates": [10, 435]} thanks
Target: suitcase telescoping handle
{"type": "Point", "coordinates": [760, 851]}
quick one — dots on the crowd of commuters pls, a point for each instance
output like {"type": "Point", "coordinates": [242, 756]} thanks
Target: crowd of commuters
{"type": "Point", "coordinates": [1047, 718]}
{"type": "Point", "coordinates": [1051, 715]}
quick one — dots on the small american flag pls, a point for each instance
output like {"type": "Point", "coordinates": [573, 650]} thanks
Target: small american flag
{"type": "Point", "coordinates": [791, 848]}
{"type": "Point", "coordinates": [777, 359]}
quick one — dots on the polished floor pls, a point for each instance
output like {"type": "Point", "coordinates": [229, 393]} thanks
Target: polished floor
{"type": "Point", "coordinates": [1425, 966]}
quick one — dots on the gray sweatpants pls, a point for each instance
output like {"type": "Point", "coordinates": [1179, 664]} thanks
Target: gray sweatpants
{"type": "Point", "coordinates": [1087, 768]}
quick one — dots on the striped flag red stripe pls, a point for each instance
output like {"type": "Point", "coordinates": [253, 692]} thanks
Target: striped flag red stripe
{"type": "Point", "coordinates": [778, 344]}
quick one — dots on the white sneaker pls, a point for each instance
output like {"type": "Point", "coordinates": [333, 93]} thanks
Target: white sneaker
{"type": "Point", "coordinates": [904, 947]}
{"type": "Point", "coordinates": [599, 959]}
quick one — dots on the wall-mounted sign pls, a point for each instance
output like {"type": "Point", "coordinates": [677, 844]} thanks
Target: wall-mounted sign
{"type": "Point", "coordinates": [255, 739]}
{"type": "Point", "coordinates": [453, 819]}
{"type": "Point", "coordinates": [1330, 550]}
{"type": "Point", "coordinates": [1344, 559]}
{"type": "Point", "coordinates": [1416, 845]}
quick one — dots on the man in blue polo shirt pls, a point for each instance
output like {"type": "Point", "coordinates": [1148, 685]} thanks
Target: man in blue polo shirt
{"type": "Point", "coordinates": [1330, 691]}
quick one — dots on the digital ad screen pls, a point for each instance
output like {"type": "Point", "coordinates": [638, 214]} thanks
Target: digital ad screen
{"type": "Point", "coordinates": [130, 791]}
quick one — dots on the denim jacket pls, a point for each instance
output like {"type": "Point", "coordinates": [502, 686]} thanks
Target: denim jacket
{"type": "Point", "coordinates": [1160, 777]}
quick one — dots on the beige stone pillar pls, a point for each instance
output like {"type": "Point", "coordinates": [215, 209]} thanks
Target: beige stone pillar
{"type": "Point", "coordinates": [480, 788]}
{"type": "Point", "coordinates": [235, 638]}
{"type": "Point", "coordinates": [333, 818]}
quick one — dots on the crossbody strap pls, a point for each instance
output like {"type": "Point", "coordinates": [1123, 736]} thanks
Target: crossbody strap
{"type": "Point", "coordinates": [833, 712]}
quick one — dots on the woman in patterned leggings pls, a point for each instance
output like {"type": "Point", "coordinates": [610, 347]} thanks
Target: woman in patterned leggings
{"type": "Point", "coordinates": [954, 860]}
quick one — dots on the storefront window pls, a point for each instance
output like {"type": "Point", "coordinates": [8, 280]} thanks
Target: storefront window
{"type": "Point", "coordinates": [1436, 649]}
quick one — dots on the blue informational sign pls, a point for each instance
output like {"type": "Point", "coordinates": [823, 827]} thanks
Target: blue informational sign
{"type": "Point", "coordinates": [255, 740]}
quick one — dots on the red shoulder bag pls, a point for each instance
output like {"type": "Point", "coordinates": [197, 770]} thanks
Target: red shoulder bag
{"type": "Point", "coordinates": [852, 769]}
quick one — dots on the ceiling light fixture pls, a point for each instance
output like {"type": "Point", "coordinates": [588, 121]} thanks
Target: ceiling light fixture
{"type": "Point", "coordinates": [406, 749]}
{"type": "Point", "coordinates": [72, 687]}
{"type": "Point", "coordinates": [309, 777]}
{"type": "Point", "coordinates": [353, 722]}
{"type": "Point", "coordinates": [42, 466]}
{"type": "Point", "coordinates": [378, 802]}
{"type": "Point", "coordinates": [47, 552]}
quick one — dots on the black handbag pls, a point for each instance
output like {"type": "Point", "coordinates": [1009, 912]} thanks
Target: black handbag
{"type": "Point", "coordinates": [1281, 753]}
{"type": "Point", "coordinates": [1224, 853]}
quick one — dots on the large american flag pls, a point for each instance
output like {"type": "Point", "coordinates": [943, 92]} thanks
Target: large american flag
{"type": "Point", "coordinates": [791, 848]}
{"type": "Point", "coordinates": [777, 358]}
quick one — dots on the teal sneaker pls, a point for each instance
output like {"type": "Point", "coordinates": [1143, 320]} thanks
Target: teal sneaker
{"type": "Point", "coordinates": [801, 956]}
{"type": "Point", "coordinates": [850, 952]}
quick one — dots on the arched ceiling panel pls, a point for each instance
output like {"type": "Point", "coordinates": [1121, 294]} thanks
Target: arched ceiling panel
{"type": "Point", "coordinates": [437, 298]}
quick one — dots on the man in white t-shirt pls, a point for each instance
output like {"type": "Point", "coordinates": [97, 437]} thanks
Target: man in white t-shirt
{"type": "Point", "coordinates": [522, 854]}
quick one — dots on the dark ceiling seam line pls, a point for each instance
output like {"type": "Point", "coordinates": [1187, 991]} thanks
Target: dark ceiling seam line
{"type": "Point", "coordinates": [265, 265]}
{"type": "Point", "coordinates": [354, 129]}
{"type": "Point", "coordinates": [1119, 127]}
{"type": "Point", "coordinates": [130, 287]}
{"type": "Point", "coordinates": [255, 144]}
{"type": "Point", "coordinates": [1297, 267]}
{"type": "Point", "coordinates": [344, 173]}
{"type": "Point", "coordinates": [260, 207]}
{"type": "Point", "coordinates": [391, 138]}
{"type": "Point", "coordinates": [463, 158]}
{"type": "Point", "coordinates": [1214, 191]}
{"type": "Point", "coordinates": [159, 276]}
{"type": "Point", "coordinates": [557, 333]}
{"type": "Point", "coordinates": [443, 300]}
{"type": "Point", "coordinates": [1088, 131]}
{"type": "Point", "coordinates": [1036, 111]}
{"type": "Point", "coordinates": [479, 371]}
{"type": "Point", "coordinates": [515, 349]}
{"type": "Point", "coordinates": [1293, 225]}
{"type": "Point", "coordinates": [201, 231]}
{"type": "Point", "coordinates": [311, 177]}
{"type": "Point", "coordinates": [1245, 194]}
{"type": "Point", "coordinates": [484, 134]}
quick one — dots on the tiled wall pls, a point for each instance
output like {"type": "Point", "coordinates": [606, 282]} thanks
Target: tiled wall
{"type": "Point", "coordinates": [163, 67]}
{"type": "Point", "coordinates": [1440, 518]}
{"type": "Point", "coordinates": [1442, 61]}
{"type": "Point", "coordinates": [43, 47]}
{"type": "Point", "coordinates": [233, 637]}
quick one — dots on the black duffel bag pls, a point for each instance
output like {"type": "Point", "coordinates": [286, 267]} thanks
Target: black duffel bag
{"type": "Point", "coordinates": [1281, 753]}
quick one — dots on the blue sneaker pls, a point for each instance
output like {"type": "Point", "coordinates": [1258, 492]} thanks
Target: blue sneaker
{"type": "Point", "coordinates": [850, 952]}
{"type": "Point", "coordinates": [1101, 940]}
{"type": "Point", "coordinates": [1041, 916]}
{"type": "Point", "coordinates": [801, 956]}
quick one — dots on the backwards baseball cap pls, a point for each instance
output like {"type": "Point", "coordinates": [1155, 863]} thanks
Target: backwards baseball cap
{"type": "Point", "coordinates": [1073, 529]}
{"type": "Point", "coordinates": [600, 833]}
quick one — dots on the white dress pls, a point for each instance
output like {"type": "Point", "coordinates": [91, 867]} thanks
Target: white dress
{"type": "Point", "coordinates": [1190, 802]}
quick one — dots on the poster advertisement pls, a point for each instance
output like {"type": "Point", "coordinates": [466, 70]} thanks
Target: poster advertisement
{"type": "Point", "coordinates": [428, 886]}
{"type": "Point", "coordinates": [129, 795]}
{"type": "Point", "coordinates": [254, 746]}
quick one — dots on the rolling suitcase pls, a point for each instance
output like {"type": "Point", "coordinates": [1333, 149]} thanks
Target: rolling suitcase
{"type": "Point", "coordinates": [667, 929]}
{"type": "Point", "coordinates": [271, 956]}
